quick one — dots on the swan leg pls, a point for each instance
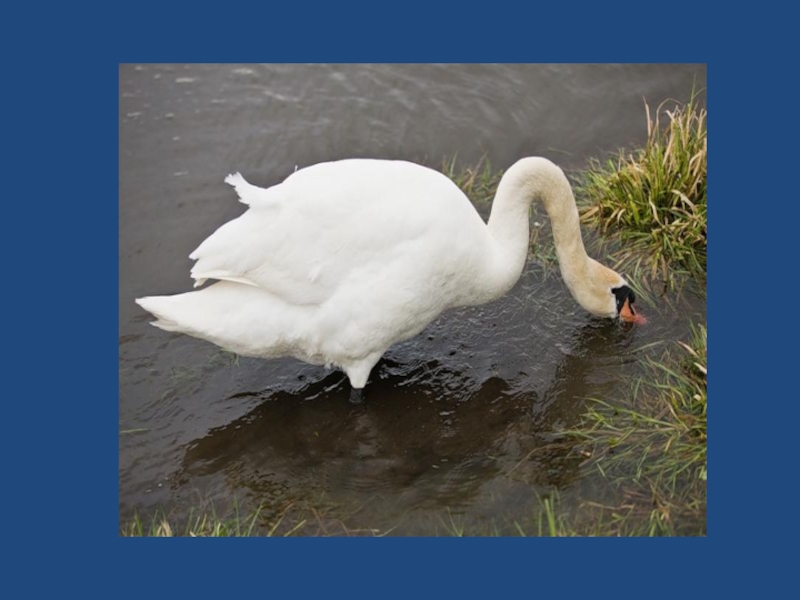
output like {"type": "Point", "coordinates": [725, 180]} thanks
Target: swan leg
{"type": "Point", "coordinates": [358, 373]}
{"type": "Point", "coordinates": [356, 395]}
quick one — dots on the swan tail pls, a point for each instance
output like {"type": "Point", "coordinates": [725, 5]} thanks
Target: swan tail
{"type": "Point", "coordinates": [247, 192]}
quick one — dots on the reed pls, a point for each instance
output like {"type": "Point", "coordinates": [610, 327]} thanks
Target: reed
{"type": "Point", "coordinates": [653, 200]}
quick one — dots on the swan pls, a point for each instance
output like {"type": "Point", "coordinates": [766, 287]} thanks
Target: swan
{"type": "Point", "coordinates": [345, 258]}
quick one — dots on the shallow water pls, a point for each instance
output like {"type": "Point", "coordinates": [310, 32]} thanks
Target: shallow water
{"type": "Point", "coordinates": [461, 423]}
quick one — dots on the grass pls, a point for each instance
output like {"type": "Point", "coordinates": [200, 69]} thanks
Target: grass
{"type": "Point", "coordinates": [479, 181]}
{"type": "Point", "coordinates": [653, 200]}
{"type": "Point", "coordinates": [652, 447]}
{"type": "Point", "coordinates": [318, 517]}
{"type": "Point", "coordinates": [198, 524]}
{"type": "Point", "coordinates": [649, 449]}
{"type": "Point", "coordinates": [205, 522]}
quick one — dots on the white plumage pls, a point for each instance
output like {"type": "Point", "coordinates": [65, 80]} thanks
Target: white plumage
{"type": "Point", "coordinates": [344, 259]}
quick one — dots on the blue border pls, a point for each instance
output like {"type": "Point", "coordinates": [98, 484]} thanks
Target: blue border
{"type": "Point", "coordinates": [61, 433]}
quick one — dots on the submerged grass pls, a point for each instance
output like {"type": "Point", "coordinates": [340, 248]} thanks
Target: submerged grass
{"type": "Point", "coordinates": [653, 200]}
{"type": "Point", "coordinates": [652, 447]}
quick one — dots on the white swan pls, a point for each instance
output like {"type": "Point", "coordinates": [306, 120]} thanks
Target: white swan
{"type": "Point", "coordinates": [344, 259]}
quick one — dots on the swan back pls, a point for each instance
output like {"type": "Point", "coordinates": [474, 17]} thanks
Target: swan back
{"type": "Point", "coordinates": [304, 238]}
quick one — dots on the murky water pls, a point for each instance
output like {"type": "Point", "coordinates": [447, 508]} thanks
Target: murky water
{"type": "Point", "coordinates": [461, 423]}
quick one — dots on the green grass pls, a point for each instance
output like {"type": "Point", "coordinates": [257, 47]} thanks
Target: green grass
{"type": "Point", "coordinates": [651, 446]}
{"type": "Point", "coordinates": [479, 181]}
{"type": "Point", "coordinates": [239, 521]}
{"type": "Point", "coordinates": [198, 524]}
{"type": "Point", "coordinates": [653, 200]}
{"type": "Point", "coordinates": [315, 517]}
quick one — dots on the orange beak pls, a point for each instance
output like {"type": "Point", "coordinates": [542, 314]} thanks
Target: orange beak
{"type": "Point", "coordinates": [626, 314]}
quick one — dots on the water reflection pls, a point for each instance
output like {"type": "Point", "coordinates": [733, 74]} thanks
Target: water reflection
{"type": "Point", "coordinates": [433, 444]}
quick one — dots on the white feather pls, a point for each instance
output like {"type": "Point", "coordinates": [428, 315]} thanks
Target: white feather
{"type": "Point", "coordinates": [344, 259]}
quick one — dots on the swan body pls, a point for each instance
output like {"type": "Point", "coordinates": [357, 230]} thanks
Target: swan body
{"type": "Point", "coordinates": [344, 259]}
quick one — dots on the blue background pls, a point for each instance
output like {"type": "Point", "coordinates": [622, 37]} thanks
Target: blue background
{"type": "Point", "coordinates": [60, 192]}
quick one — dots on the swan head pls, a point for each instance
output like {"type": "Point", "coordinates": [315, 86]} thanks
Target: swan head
{"type": "Point", "coordinates": [605, 293]}
{"type": "Point", "coordinates": [625, 298]}
{"type": "Point", "coordinates": [601, 291]}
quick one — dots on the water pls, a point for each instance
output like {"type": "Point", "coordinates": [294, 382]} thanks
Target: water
{"type": "Point", "coordinates": [461, 423]}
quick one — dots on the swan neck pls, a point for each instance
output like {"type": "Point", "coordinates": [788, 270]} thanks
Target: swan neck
{"type": "Point", "coordinates": [538, 179]}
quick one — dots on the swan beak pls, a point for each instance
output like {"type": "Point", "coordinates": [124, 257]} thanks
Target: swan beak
{"type": "Point", "coordinates": [626, 314]}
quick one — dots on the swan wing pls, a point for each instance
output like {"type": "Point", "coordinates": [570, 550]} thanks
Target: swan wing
{"type": "Point", "coordinates": [302, 239]}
